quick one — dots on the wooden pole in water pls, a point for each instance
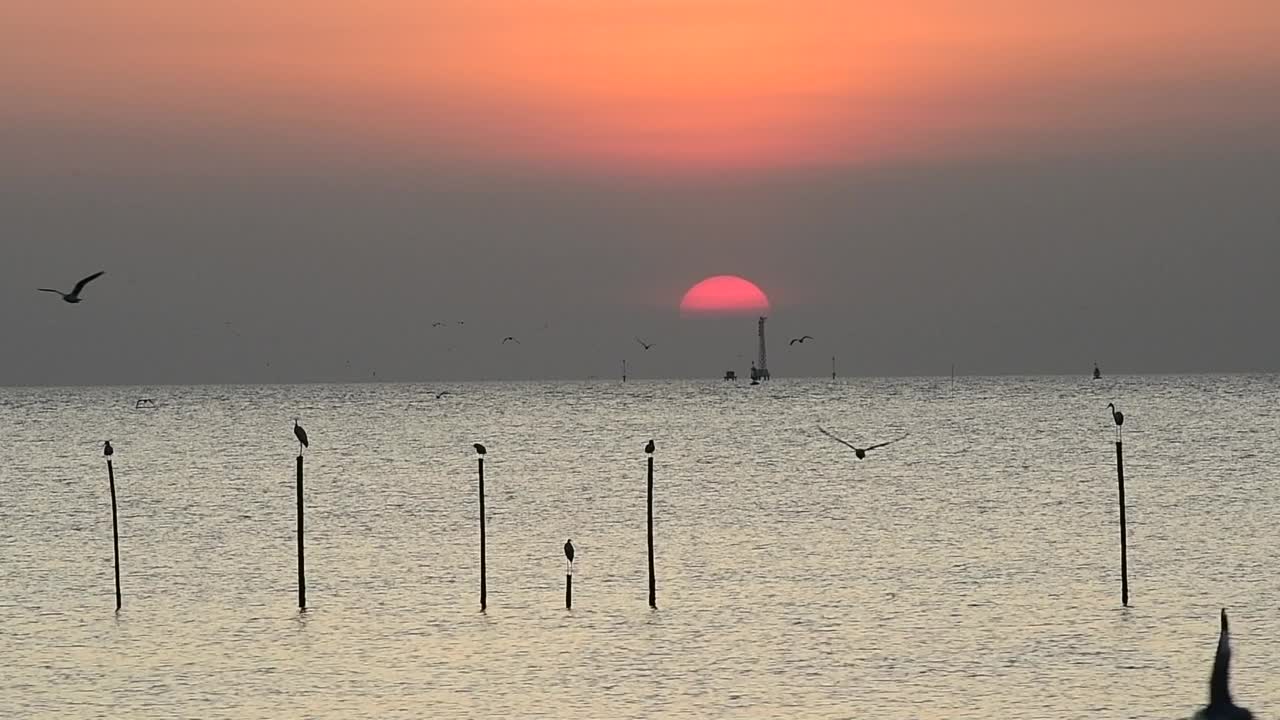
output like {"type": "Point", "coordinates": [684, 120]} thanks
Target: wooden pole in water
{"type": "Point", "coordinates": [115, 529]}
{"type": "Point", "coordinates": [568, 588]}
{"type": "Point", "coordinates": [624, 371]}
{"type": "Point", "coordinates": [302, 563]}
{"type": "Point", "coordinates": [653, 592]}
{"type": "Point", "coordinates": [833, 367]}
{"type": "Point", "coordinates": [1124, 543]}
{"type": "Point", "coordinates": [484, 588]}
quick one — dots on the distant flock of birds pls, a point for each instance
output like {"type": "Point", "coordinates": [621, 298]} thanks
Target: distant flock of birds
{"type": "Point", "coordinates": [74, 297]}
{"type": "Point", "coordinates": [1220, 706]}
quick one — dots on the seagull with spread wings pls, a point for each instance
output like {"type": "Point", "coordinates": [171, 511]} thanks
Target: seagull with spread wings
{"type": "Point", "coordinates": [861, 453]}
{"type": "Point", "coordinates": [800, 339]}
{"type": "Point", "coordinates": [644, 344]}
{"type": "Point", "coordinates": [74, 295]}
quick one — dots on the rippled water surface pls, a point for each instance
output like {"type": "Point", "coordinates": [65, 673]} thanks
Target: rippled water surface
{"type": "Point", "coordinates": [971, 570]}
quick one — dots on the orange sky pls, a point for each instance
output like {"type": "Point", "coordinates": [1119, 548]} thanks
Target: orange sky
{"type": "Point", "coordinates": [650, 84]}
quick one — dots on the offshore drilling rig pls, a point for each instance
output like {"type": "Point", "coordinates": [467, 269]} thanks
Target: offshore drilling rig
{"type": "Point", "coordinates": [760, 368]}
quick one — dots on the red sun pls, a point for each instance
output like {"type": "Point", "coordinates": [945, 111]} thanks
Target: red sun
{"type": "Point", "coordinates": [724, 295]}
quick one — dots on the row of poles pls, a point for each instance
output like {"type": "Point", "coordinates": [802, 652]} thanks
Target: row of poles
{"type": "Point", "coordinates": [481, 451]}
{"type": "Point", "coordinates": [108, 451]}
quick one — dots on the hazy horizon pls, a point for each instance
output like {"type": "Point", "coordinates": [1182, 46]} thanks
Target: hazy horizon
{"type": "Point", "coordinates": [1019, 190]}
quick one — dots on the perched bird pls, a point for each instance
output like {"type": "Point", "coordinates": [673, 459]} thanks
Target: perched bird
{"type": "Point", "coordinates": [568, 549]}
{"type": "Point", "coordinates": [301, 434]}
{"type": "Point", "coordinates": [107, 450]}
{"type": "Point", "coordinates": [508, 339]}
{"type": "Point", "coordinates": [74, 295]}
{"type": "Point", "coordinates": [1116, 414]}
{"type": "Point", "coordinates": [479, 448]}
{"type": "Point", "coordinates": [1220, 706]}
{"type": "Point", "coordinates": [861, 453]}
{"type": "Point", "coordinates": [644, 344]}
{"type": "Point", "coordinates": [800, 339]}
{"type": "Point", "coordinates": [648, 448]}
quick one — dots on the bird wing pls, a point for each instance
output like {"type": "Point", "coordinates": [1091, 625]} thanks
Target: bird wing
{"type": "Point", "coordinates": [793, 342]}
{"type": "Point", "coordinates": [833, 437]}
{"type": "Point", "coordinates": [51, 290]}
{"type": "Point", "coordinates": [806, 337]}
{"type": "Point", "coordinates": [880, 445]}
{"type": "Point", "coordinates": [80, 285]}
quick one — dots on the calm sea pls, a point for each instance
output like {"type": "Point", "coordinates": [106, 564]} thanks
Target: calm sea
{"type": "Point", "coordinates": [968, 571]}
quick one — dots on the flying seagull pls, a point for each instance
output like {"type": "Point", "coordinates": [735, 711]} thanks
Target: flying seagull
{"type": "Point", "coordinates": [508, 339]}
{"type": "Point", "coordinates": [437, 324]}
{"type": "Point", "coordinates": [1220, 706]}
{"type": "Point", "coordinates": [442, 393]}
{"type": "Point", "coordinates": [74, 295]}
{"type": "Point", "coordinates": [644, 344]}
{"type": "Point", "coordinates": [800, 339]}
{"type": "Point", "coordinates": [859, 452]}
{"type": "Point", "coordinates": [107, 450]}
{"type": "Point", "coordinates": [301, 434]}
{"type": "Point", "coordinates": [648, 448]}
{"type": "Point", "coordinates": [479, 448]}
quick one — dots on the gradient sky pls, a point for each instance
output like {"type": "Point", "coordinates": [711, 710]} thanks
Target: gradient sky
{"type": "Point", "coordinates": [1006, 185]}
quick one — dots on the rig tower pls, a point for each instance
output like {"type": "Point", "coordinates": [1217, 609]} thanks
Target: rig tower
{"type": "Point", "coordinates": [760, 371]}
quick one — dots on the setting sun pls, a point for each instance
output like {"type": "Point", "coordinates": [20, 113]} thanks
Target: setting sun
{"type": "Point", "coordinates": [724, 295]}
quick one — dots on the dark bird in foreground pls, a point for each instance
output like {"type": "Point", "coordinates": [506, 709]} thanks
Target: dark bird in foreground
{"type": "Point", "coordinates": [508, 339]}
{"type": "Point", "coordinates": [861, 453]}
{"type": "Point", "coordinates": [74, 295]}
{"type": "Point", "coordinates": [644, 344]}
{"type": "Point", "coordinates": [107, 450]}
{"type": "Point", "coordinates": [1220, 706]}
{"type": "Point", "coordinates": [301, 434]}
{"type": "Point", "coordinates": [800, 339]}
{"type": "Point", "coordinates": [568, 549]}
{"type": "Point", "coordinates": [1116, 414]}
{"type": "Point", "coordinates": [649, 447]}
{"type": "Point", "coordinates": [479, 448]}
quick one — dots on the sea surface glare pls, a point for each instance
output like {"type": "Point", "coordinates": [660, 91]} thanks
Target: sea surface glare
{"type": "Point", "coordinates": [969, 571]}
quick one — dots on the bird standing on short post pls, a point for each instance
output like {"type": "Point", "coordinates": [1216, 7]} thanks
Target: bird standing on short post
{"type": "Point", "coordinates": [479, 448]}
{"type": "Point", "coordinates": [648, 448]}
{"type": "Point", "coordinates": [107, 450]}
{"type": "Point", "coordinates": [301, 434]}
{"type": "Point", "coordinates": [568, 552]}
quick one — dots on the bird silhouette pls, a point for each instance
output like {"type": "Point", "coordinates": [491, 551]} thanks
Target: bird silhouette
{"type": "Point", "coordinates": [107, 450]}
{"type": "Point", "coordinates": [437, 324]}
{"type": "Point", "coordinates": [644, 344]}
{"type": "Point", "coordinates": [1118, 417]}
{"type": "Point", "coordinates": [508, 339]}
{"type": "Point", "coordinates": [568, 550]}
{"type": "Point", "coordinates": [480, 450]}
{"type": "Point", "coordinates": [74, 295]}
{"type": "Point", "coordinates": [800, 339]}
{"type": "Point", "coordinates": [861, 453]}
{"type": "Point", "coordinates": [442, 393]}
{"type": "Point", "coordinates": [1220, 705]}
{"type": "Point", "coordinates": [648, 448]}
{"type": "Point", "coordinates": [301, 434]}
